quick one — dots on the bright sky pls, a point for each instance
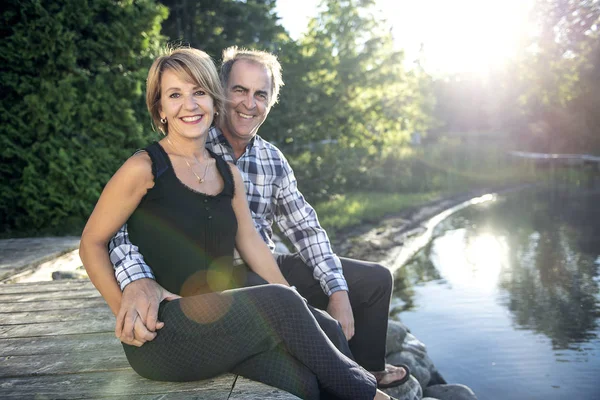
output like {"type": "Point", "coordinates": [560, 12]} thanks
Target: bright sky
{"type": "Point", "coordinates": [458, 35]}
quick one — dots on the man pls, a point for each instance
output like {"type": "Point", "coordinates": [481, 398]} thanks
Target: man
{"type": "Point", "coordinates": [355, 293]}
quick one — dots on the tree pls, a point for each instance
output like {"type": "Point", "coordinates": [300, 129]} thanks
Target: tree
{"type": "Point", "coordinates": [73, 107]}
{"type": "Point", "coordinates": [561, 72]}
{"type": "Point", "coordinates": [350, 97]}
{"type": "Point", "coordinates": [212, 25]}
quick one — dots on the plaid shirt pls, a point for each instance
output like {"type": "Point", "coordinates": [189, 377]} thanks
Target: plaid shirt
{"type": "Point", "coordinates": [272, 193]}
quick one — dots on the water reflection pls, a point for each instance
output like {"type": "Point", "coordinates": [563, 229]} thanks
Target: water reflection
{"type": "Point", "coordinates": [534, 252]}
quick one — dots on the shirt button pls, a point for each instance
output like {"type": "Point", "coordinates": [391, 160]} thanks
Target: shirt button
{"type": "Point", "coordinates": [206, 200]}
{"type": "Point", "coordinates": [210, 217]}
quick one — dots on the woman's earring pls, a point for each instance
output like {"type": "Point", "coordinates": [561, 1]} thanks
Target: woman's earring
{"type": "Point", "coordinates": [163, 121]}
{"type": "Point", "coordinates": [216, 114]}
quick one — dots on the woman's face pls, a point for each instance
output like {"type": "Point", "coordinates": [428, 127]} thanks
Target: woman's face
{"type": "Point", "coordinates": [188, 108]}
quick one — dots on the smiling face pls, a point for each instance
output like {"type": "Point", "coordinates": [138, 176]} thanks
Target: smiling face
{"type": "Point", "coordinates": [248, 94]}
{"type": "Point", "coordinates": [187, 107]}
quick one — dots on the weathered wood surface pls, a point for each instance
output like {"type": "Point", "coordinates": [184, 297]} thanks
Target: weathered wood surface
{"type": "Point", "coordinates": [23, 254]}
{"type": "Point", "coordinates": [57, 342]}
{"type": "Point", "coordinates": [50, 286]}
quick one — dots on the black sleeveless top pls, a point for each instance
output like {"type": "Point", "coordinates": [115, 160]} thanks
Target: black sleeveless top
{"type": "Point", "coordinates": [185, 236]}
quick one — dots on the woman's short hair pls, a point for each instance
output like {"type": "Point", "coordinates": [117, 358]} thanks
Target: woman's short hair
{"type": "Point", "coordinates": [189, 64]}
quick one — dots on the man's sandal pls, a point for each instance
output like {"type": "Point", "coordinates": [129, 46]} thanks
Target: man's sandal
{"type": "Point", "coordinates": [395, 383]}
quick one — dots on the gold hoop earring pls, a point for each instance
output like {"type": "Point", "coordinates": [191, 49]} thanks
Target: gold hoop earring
{"type": "Point", "coordinates": [163, 121]}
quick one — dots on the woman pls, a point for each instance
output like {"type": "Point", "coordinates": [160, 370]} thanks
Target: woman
{"type": "Point", "coordinates": [186, 210]}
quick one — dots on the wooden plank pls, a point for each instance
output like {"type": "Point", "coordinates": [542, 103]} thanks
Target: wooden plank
{"type": "Point", "coordinates": [58, 344]}
{"type": "Point", "coordinates": [109, 359]}
{"type": "Point", "coordinates": [57, 328]}
{"type": "Point", "coordinates": [106, 384]}
{"type": "Point", "coordinates": [246, 389]}
{"type": "Point", "coordinates": [187, 395]}
{"type": "Point", "coordinates": [44, 305]}
{"type": "Point", "coordinates": [50, 286]}
{"type": "Point", "coordinates": [57, 295]}
{"type": "Point", "coordinates": [30, 317]}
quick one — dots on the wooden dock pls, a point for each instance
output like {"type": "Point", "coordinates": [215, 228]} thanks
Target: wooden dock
{"type": "Point", "coordinates": [558, 159]}
{"type": "Point", "coordinates": [57, 342]}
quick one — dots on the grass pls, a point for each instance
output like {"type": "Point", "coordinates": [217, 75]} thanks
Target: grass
{"type": "Point", "coordinates": [356, 208]}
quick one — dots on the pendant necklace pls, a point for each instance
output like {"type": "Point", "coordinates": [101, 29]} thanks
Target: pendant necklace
{"type": "Point", "coordinates": [200, 180]}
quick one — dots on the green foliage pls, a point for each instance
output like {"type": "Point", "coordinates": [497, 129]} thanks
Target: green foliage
{"type": "Point", "coordinates": [562, 77]}
{"type": "Point", "coordinates": [347, 96]}
{"type": "Point", "coordinates": [355, 208]}
{"type": "Point", "coordinates": [548, 97]}
{"type": "Point", "coordinates": [212, 25]}
{"type": "Point", "coordinates": [73, 107]}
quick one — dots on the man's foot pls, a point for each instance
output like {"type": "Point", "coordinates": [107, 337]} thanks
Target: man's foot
{"type": "Point", "coordinates": [394, 375]}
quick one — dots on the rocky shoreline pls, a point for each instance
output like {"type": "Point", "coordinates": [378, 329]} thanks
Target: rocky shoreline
{"type": "Point", "coordinates": [426, 382]}
{"type": "Point", "coordinates": [392, 241]}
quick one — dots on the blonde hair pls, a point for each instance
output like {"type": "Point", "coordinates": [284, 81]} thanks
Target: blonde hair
{"type": "Point", "coordinates": [268, 60]}
{"type": "Point", "coordinates": [191, 64]}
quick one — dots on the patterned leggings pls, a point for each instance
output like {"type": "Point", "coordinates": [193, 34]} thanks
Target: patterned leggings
{"type": "Point", "coordinates": [265, 333]}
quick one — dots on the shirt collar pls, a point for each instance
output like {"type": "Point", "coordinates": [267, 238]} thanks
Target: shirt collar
{"type": "Point", "coordinates": [215, 136]}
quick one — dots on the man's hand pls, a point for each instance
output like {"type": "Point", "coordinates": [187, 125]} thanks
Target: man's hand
{"type": "Point", "coordinates": [137, 320]}
{"type": "Point", "coordinates": [339, 308]}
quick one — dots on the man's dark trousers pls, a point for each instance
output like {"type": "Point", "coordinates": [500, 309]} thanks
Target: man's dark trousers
{"type": "Point", "coordinates": [370, 288]}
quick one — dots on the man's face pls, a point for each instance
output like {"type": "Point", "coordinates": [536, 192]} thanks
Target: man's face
{"type": "Point", "coordinates": [248, 96]}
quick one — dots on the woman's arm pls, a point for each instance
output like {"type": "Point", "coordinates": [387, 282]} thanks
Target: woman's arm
{"type": "Point", "coordinates": [118, 200]}
{"type": "Point", "coordinates": [248, 242]}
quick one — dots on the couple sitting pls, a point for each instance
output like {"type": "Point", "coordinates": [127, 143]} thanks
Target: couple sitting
{"type": "Point", "coordinates": [184, 203]}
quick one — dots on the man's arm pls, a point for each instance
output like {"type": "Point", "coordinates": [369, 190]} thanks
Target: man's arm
{"type": "Point", "coordinates": [137, 319]}
{"type": "Point", "coordinates": [298, 221]}
{"type": "Point", "coordinates": [127, 260]}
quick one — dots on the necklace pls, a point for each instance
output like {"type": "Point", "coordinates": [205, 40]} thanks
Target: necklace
{"type": "Point", "coordinates": [200, 180]}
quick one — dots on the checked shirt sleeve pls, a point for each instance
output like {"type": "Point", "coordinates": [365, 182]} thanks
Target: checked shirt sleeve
{"type": "Point", "coordinates": [298, 221]}
{"type": "Point", "coordinates": [127, 260]}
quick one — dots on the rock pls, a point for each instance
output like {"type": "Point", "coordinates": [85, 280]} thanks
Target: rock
{"type": "Point", "coordinates": [411, 390]}
{"type": "Point", "coordinates": [436, 378]}
{"type": "Point", "coordinates": [414, 345]}
{"type": "Point", "coordinates": [60, 275]}
{"type": "Point", "coordinates": [396, 334]}
{"type": "Point", "coordinates": [450, 392]}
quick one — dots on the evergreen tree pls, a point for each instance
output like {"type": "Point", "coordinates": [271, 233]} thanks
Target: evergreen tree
{"type": "Point", "coordinates": [212, 25]}
{"type": "Point", "coordinates": [72, 109]}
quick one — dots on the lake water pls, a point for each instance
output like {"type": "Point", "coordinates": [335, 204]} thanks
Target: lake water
{"type": "Point", "coordinates": [506, 297]}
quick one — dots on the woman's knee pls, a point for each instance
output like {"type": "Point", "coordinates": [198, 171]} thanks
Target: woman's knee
{"type": "Point", "coordinates": [283, 293]}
